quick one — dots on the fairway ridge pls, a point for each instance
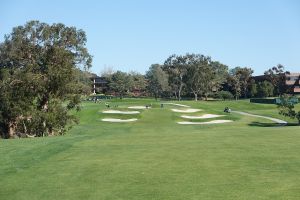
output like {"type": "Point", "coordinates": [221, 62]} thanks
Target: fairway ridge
{"type": "Point", "coordinates": [177, 104]}
{"type": "Point", "coordinates": [118, 120]}
{"type": "Point", "coordinates": [205, 116]}
{"type": "Point", "coordinates": [209, 122]}
{"type": "Point", "coordinates": [139, 107]}
{"type": "Point", "coordinates": [190, 110]}
{"type": "Point", "coordinates": [120, 112]}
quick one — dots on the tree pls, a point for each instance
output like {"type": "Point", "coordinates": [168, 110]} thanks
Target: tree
{"type": "Point", "coordinates": [176, 67]}
{"type": "Point", "coordinates": [265, 89]}
{"type": "Point", "coordinates": [138, 81]}
{"type": "Point", "coordinates": [287, 108]}
{"type": "Point", "coordinates": [234, 82]}
{"type": "Point", "coordinates": [224, 95]}
{"type": "Point", "coordinates": [277, 76]}
{"type": "Point", "coordinates": [38, 63]}
{"type": "Point", "coordinates": [252, 89]}
{"type": "Point", "coordinates": [199, 75]}
{"type": "Point", "coordinates": [157, 80]}
{"type": "Point", "coordinates": [244, 75]}
{"type": "Point", "coordinates": [121, 83]}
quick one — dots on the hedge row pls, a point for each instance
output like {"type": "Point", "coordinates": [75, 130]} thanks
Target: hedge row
{"type": "Point", "coordinates": [272, 101]}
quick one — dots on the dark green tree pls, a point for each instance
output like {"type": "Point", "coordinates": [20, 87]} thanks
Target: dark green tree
{"type": "Point", "coordinates": [277, 76]}
{"type": "Point", "coordinates": [38, 64]}
{"type": "Point", "coordinates": [157, 80]}
{"type": "Point", "coordinates": [265, 89]}
{"type": "Point", "coordinates": [252, 89]}
{"type": "Point", "coordinates": [176, 68]}
{"type": "Point", "coordinates": [287, 108]}
{"type": "Point", "coordinates": [121, 83]}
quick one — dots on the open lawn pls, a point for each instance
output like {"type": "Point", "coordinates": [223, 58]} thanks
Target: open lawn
{"type": "Point", "coordinates": [156, 158]}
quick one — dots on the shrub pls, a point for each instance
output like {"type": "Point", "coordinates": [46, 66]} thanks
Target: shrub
{"type": "Point", "coordinates": [224, 95]}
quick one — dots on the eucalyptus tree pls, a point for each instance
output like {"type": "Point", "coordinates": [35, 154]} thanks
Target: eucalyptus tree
{"type": "Point", "coordinates": [277, 76]}
{"type": "Point", "coordinates": [240, 80]}
{"type": "Point", "coordinates": [121, 83]}
{"type": "Point", "coordinates": [176, 67]}
{"type": "Point", "coordinates": [157, 80]}
{"type": "Point", "coordinates": [38, 63]}
{"type": "Point", "coordinates": [199, 76]}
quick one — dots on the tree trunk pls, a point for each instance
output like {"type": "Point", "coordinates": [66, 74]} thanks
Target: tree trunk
{"type": "Point", "coordinates": [11, 129]}
{"type": "Point", "coordinates": [196, 96]}
{"type": "Point", "coordinates": [175, 93]}
{"type": "Point", "coordinates": [179, 92]}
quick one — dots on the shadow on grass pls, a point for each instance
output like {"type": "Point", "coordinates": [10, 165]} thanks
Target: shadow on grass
{"type": "Point", "coordinates": [260, 124]}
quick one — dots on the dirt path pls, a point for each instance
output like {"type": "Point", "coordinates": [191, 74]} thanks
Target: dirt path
{"type": "Point", "coordinates": [279, 121]}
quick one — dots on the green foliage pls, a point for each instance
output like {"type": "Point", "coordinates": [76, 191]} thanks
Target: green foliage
{"type": "Point", "coordinates": [194, 73]}
{"type": "Point", "coordinates": [121, 83]}
{"type": "Point", "coordinates": [157, 80]}
{"type": "Point", "coordinates": [265, 89]}
{"type": "Point", "coordinates": [224, 95]}
{"type": "Point", "coordinates": [287, 108]}
{"type": "Point", "coordinates": [239, 80]}
{"type": "Point", "coordinates": [252, 89]}
{"type": "Point", "coordinates": [39, 66]}
{"type": "Point", "coordinates": [138, 81]}
{"type": "Point", "coordinates": [277, 76]}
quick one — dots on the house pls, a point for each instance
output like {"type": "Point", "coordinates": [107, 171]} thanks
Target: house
{"type": "Point", "coordinates": [292, 81]}
{"type": "Point", "coordinates": [100, 84]}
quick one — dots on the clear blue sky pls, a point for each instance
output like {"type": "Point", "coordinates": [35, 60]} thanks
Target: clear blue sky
{"type": "Point", "coordinates": [133, 34]}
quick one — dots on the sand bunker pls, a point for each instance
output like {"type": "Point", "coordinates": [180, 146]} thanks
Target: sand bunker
{"type": "Point", "coordinates": [121, 112]}
{"type": "Point", "coordinates": [118, 120]}
{"type": "Point", "coordinates": [177, 104]}
{"type": "Point", "coordinates": [138, 107]}
{"type": "Point", "coordinates": [210, 122]}
{"type": "Point", "coordinates": [205, 116]}
{"type": "Point", "coordinates": [190, 110]}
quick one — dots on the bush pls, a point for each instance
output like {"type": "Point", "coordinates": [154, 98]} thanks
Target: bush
{"type": "Point", "coordinates": [224, 95]}
{"type": "Point", "coordinates": [263, 100]}
{"type": "Point", "coordinates": [273, 100]}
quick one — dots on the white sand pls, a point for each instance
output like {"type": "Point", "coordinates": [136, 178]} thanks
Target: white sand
{"type": "Point", "coordinates": [138, 107]}
{"type": "Point", "coordinates": [210, 122]}
{"type": "Point", "coordinates": [177, 104]}
{"type": "Point", "coordinates": [190, 110]}
{"type": "Point", "coordinates": [118, 120]}
{"type": "Point", "coordinates": [205, 116]}
{"type": "Point", "coordinates": [121, 112]}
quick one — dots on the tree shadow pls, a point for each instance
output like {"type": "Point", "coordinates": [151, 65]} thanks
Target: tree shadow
{"type": "Point", "coordinates": [260, 124]}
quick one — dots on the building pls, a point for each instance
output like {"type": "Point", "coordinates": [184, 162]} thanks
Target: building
{"type": "Point", "coordinates": [100, 84]}
{"type": "Point", "coordinates": [292, 81]}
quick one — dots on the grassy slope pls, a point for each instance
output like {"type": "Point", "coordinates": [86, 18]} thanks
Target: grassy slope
{"type": "Point", "coordinates": [155, 158]}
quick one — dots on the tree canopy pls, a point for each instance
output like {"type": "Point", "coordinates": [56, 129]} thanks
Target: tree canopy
{"type": "Point", "coordinates": [38, 67]}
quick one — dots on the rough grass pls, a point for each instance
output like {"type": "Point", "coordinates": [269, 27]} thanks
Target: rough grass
{"type": "Point", "coordinates": [155, 158]}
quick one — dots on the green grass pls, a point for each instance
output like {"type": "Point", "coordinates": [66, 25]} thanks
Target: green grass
{"type": "Point", "coordinates": [155, 158]}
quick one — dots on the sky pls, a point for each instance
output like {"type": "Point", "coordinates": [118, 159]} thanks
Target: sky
{"type": "Point", "coordinates": [133, 34]}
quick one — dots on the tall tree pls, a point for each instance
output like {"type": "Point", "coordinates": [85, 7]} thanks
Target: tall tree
{"type": "Point", "coordinates": [138, 81]}
{"type": "Point", "coordinates": [277, 76]}
{"type": "Point", "coordinates": [199, 75]}
{"type": "Point", "coordinates": [121, 83]}
{"type": "Point", "coordinates": [244, 75]}
{"type": "Point", "coordinates": [265, 89]}
{"type": "Point", "coordinates": [176, 67]}
{"type": "Point", "coordinates": [157, 80]}
{"type": "Point", "coordinates": [234, 82]}
{"type": "Point", "coordinates": [38, 63]}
